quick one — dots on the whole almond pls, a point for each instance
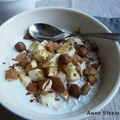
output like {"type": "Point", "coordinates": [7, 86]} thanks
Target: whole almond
{"type": "Point", "coordinates": [92, 79]}
{"type": "Point", "coordinates": [74, 90]}
{"type": "Point", "coordinates": [57, 84]}
{"type": "Point", "coordinates": [45, 84]}
{"type": "Point", "coordinates": [85, 89]}
{"type": "Point", "coordinates": [28, 68]}
{"type": "Point", "coordinates": [32, 87]}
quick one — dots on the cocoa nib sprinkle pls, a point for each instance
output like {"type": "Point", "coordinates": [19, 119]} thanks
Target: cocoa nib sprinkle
{"type": "Point", "coordinates": [28, 93]}
{"type": "Point", "coordinates": [13, 59]}
{"type": "Point", "coordinates": [14, 65]}
{"type": "Point", "coordinates": [57, 99]}
{"type": "Point", "coordinates": [32, 100]}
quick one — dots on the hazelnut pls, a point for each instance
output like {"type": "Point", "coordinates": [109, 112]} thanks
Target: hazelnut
{"type": "Point", "coordinates": [20, 47]}
{"type": "Point", "coordinates": [85, 89]}
{"type": "Point", "coordinates": [81, 50]}
{"type": "Point", "coordinates": [92, 79]}
{"type": "Point", "coordinates": [74, 90]}
{"type": "Point", "coordinates": [64, 59]}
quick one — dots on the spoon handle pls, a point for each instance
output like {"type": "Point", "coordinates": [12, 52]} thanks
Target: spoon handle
{"type": "Point", "coordinates": [112, 36]}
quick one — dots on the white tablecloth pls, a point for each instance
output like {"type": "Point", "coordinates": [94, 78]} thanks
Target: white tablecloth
{"type": "Point", "coordinates": [102, 8]}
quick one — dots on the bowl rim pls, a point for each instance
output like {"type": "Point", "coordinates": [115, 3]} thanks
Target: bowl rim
{"type": "Point", "coordinates": [117, 84]}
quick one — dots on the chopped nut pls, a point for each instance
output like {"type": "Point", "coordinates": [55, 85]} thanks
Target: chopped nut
{"type": "Point", "coordinates": [90, 71]}
{"type": "Point", "coordinates": [96, 66]}
{"type": "Point", "coordinates": [56, 45]}
{"type": "Point", "coordinates": [74, 90]}
{"type": "Point", "coordinates": [77, 58]}
{"type": "Point", "coordinates": [87, 60]}
{"type": "Point", "coordinates": [27, 36]}
{"type": "Point", "coordinates": [11, 74]}
{"type": "Point", "coordinates": [92, 79]}
{"type": "Point", "coordinates": [28, 68]}
{"type": "Point", "coordinates": [21, 57]}
{"type": "Point", "coordinates": [85, 89]}
{"type": "Point", "coordinates": [32, 87]}
{"type": "Point", "coordinates": [20, 46]}
{"type": "Point", "coordinates": [52, 46]}
{"type": "Point", "coordinates": [65, 95]}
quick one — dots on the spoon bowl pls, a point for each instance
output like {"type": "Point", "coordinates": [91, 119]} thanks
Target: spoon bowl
{"type": "Point", "coordinates": [42, 31]}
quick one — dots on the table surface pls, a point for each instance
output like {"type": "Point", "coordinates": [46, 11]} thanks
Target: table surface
{"type": "Point", "coordinates": [100, 8]}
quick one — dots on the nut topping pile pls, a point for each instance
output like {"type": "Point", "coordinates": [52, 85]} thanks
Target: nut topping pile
{"type": "Point", "coordinates": [48, 69]}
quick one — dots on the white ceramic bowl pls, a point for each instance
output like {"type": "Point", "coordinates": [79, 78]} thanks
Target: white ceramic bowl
{"type": "Point", "coordinates": [12, 95]}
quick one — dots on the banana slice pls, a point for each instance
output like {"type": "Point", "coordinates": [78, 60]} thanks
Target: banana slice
{"type": "Point", "coordinates": [44, 43]}
{"type": "Point", "coordinates": [62, 76]}
{"type": "Point", "coordinates": [72, 52]}
{"type": "Point", "coordinates": [33, 45]}
{"type": "Point", "coordinates": [66, 47]}
{"type": "Point", "coordinates": [24, 79]}
{"type": "Point", "coordinates": [52, 71]}
{"type": "Point", "coordinates": [71, 72]}
{"type": "Point", "coordinates": [77, 40]}
{"type": "Point", "coordinates": [47, 99]}
{"type": "Point", "coordinates": [36, 74]}
{"type": "Point", "coordinates": [82, 67]}
{"type": "Point", "coordinates": [39, 52]}
{"type": "Point", "coordinates": [52, 62]}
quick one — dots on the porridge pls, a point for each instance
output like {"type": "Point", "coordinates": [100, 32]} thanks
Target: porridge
{"type": "Point", "coordinates": [61, 75]}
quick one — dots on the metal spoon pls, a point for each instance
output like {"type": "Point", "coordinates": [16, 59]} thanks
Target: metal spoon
{"type": "Point", "coordinates": [41, 31]}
